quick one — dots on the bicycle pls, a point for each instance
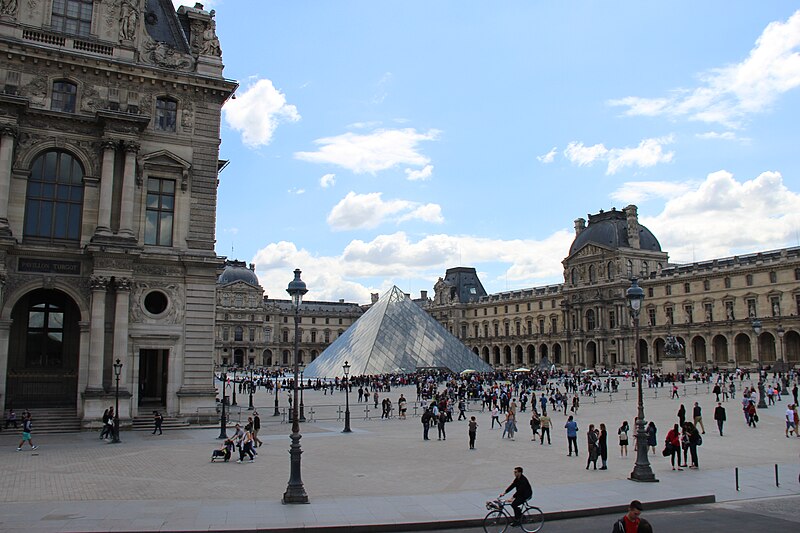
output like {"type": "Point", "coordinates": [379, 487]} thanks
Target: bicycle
{"type": "Point", "coordinates": [499, 518]}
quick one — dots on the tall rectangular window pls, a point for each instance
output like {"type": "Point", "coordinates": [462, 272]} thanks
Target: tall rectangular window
{"type": "Point", "coordinates": [64, 96]}
{"type": "Point", "coordinates": [670, 315]}
{"type": "Point", "coordinates": [689, 312]}
{"type": "Point", "coordinates": [166, 114]}
{"type": "Point", "coordinates": [612, 319]}
{"type": "Point", "coordinates": [651, 316]}
{"type": "Point", "coordinates": [72, 16]}
{"type": "Point", "coordinates": [160, 212]}
{"type": "Point", "coordinates": [554, 325]}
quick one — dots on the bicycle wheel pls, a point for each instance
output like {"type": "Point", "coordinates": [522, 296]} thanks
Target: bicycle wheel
{"type": "Point", "coordinates": [496, 521]}
{"type": "Point", "coordinates": [532, 519]}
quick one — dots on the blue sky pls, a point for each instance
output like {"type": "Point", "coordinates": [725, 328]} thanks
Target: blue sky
{"type": "Point", "coordinates": [378, 143]}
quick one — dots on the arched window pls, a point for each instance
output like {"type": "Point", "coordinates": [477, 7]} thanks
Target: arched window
{"type": "Point", "coordinates": [572, 276]}
{"type": "Point", "coordinates": [166, 114]}
{"type": "Point", "coordinates": [610, 270]}
{"type": "Point", "coordinates": [64, 96]}
{"type": "Point", "coordinates": [54, 199]}
{"type": "Point", "coordinates": [645, 269]}
{"type": "Point", "coordinates": [592, 274]}
{"type": "Point", "coordinates": [590, 320]}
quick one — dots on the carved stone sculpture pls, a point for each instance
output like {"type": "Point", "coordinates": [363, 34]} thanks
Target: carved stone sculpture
{"type": "Point", "coordinates": [8, 7]}
{"type": "Point", "coordinates": [128, 19]}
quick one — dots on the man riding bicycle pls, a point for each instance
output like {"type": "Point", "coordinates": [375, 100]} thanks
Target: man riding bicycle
{"type": "Point", "coordinates": [523, 492]}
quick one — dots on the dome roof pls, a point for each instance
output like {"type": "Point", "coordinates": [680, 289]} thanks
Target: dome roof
{"type": "Point", "coordinates": [237, 271]}
{"type": "Point", "coordinates": [610, 229]}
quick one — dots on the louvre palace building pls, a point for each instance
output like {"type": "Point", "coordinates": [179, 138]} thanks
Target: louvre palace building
{"type": "Point", "coordinates": [710, 307]}
{"type": "Point", "coordinates": [253, 330]}
{"type": "Point", "coordinates": [109, 161]}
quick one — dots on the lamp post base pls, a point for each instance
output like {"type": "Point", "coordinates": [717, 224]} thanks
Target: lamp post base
{"type": "Point", "coordinates": [643, 475]}
{"type": "Point", "coordinates": [347, 423]}
{"type": "Point", "coordinates": [295, 491]}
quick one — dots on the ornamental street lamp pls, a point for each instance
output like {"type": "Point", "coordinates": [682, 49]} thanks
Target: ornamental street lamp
{"type": "Point", "coordinates": [250, 407]}
{"type": "Point", "coordinates": [233, 385]}
{"type": "Point", "coordinates": [117, 371]}
{"type": "Point", "coordinates": [276, 413]}
{"type": "Point", "coordinates": [295, 492]}
{"type": "Point", "coordinates": [346, 368]}
{"type": "Point", "coordinates": [223, 378]}
{"type": "Point", "coordinates": [642, 471]}
{"type": "Point", "coordinates": [762, 403]}
{"type": "Point", "coordinates": [302, 407]}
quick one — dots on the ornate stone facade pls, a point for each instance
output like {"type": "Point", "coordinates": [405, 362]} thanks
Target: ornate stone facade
{"type": "Point", "coordinates": [710, 307]}
{"type": "Point", "coordinates": [253, 329]}
{"type": "Point", "coordinates": [109, 140]}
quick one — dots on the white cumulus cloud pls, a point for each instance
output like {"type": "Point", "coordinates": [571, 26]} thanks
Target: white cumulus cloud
{"type": "Point", "coordinates": [722, 216]}
{"type": "Point", "coordinates": [328, 180]}
{"type": "Point", "coordinates": [548, 157]}
{"type": "Point", "coordinates": [257, 111]}
{"type": "Point", "coordinates": [372, 152]}
{"type": "Point", "coordinates": [648, 153]}
{"type": "Point", "coordinates": [727, 95]}
{"type": "Point", "coordinates": [419, 175]}
{"type": "Point", "coordinates": [365, 211]}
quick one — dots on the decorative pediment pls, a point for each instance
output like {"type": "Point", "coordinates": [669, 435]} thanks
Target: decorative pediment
{"type": "Point", "coordinates": [166, 161]}
{"type": "Point", "coordinates": [590, 250]}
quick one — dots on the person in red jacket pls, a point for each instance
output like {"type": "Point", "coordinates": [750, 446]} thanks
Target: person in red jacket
{"type": "Point", "coordinates": [674, 445]}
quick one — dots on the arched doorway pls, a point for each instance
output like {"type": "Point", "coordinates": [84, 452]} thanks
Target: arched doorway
{"type": "Point", "coordinates": [791, 347]}
{"type": "Point", "coordinates": [519, 352]}
{"type": "Point", "coordinates": [660, 344]}
{"type": "Point", "coordinates": [314, 354]}
{"type": "Point", "coordinates": [267, 358]}
{"type": "Point", "coordinates": [741, 346]}
{"type": "Point", "coordinates": [543, 352]}
{"type": "Point", "coordinates": [591, 354]}
{"type": "Point", "coordinates": [720, 345]}
{"type": "Point", "coordinates": [486, 356]}
{"type": "Point", "coordinates": [507, 353]}
{"type": "Point", "coordinates": [238, 358]}
{"type": "Point", "coordinates": [557, 354]}
{"type": "Point", "coordinates": [496, 351]}
{"type": "Point", "coordinates": [767, 347]}
{"type": "Point", "coordinates": [644, 352]}
{"type": "Point", "coordinates": [531, 354]}
{"type": "Point", "coordinates": [43, 351]}
{"type": "Point", "coordinates": [699, 350]}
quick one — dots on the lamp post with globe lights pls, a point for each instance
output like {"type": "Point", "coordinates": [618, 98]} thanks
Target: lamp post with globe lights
{"type": "Point", "coordinates": [346, 368]}
{"type": "Point", "coordinates": [223, 378]}
{"type": "Point", "coordinates": [642, 470]}
{"type": "Point", "coordinates": [117, 371]}
{"type": "Point", "coordinates": [295, 491]}
{"type": "Point", "coordinates": [757, 328]}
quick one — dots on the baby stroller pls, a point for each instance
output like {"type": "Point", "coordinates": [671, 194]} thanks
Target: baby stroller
{"type": "Point", "coordinates": [223, 452]}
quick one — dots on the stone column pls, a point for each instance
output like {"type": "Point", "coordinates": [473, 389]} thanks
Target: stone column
{"type": "Point", "coordinates": [5, 331]}
{"type": "Point", "coordinates": [98, 285]}
{"type": "Point", "coordinates": [123, 286]}
{"type": "Point", "coordinates": [128, 185]}
{"type": "Point", "coordinates": [7, 135]}
{"type": "Point", "coordinates": [106, 187]}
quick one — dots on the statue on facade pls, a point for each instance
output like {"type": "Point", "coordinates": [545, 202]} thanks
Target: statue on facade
{"type": "Point", "coordinates": [165, 56]}
{"type": "Point", "coordinates": [673, 347]}
{"type": "Point", "coordinates": [211, 45]}
{"type": "Point", "coordinates": [8, 7]}
{"type": "Point", "coordinates": [127, 22]}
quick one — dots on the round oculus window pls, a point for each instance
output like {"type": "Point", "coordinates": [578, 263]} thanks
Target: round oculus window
{"type": "Point", "coordinates": [156, 302]}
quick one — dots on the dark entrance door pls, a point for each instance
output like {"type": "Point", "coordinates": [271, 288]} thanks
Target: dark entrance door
{"type": "Point", "coordinates": [43, 351]}
{"type": "Point", "coordinates": [153, 377]}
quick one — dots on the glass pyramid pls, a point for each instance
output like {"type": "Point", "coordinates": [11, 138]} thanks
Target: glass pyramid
{"type": "Point", "coordinates": [394, 336]}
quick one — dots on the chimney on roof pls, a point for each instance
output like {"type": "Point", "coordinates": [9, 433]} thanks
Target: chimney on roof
{"type": "Point", "coordinates": [580, 225]}
{"type": "Point", "coordinates": [632, 216]}
{"type": "Point", "coordinates": [423, 295]}
{"type": "Point", "coordinates": [341, 300]}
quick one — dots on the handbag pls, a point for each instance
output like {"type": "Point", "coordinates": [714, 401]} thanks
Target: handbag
{"type": "Point", "coordinates": [667, 451]}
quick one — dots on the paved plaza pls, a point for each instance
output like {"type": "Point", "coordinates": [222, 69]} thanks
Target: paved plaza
{"type": "Point", "coordinates": [382, 473]}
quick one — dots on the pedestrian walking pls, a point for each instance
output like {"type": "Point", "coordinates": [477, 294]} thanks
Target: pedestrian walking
{"type": "Point", "coordinates": [652, 439]}
{"type": "Point", "coordinates": [256, 428]}
{"type": "Point", "coordinates": [591, 441]}
{"type": "Point", "coordinates": [510, 425]}
{"type": "Point", "coordinates": [426, 423]}
{"type": "Point", "coordinates": [790, 424]}
{"type": "Point", "coordinates": [496, 417]}
{"type": "Point", "coordinates": [681, 415]}
{"type": "Point", "coordinates": [473, 430]}
{"type": "Point", "coordinates": [697, 414]}
{"type": "Point", "coordinates": [27, 427]}
{"type": "Point", "coordinates": [602, 446]}
{"type": "Point", "coordinates": [536, 423]}
{"type": "Point", "coordinates": [720, 416]}
{"type": "Point", "coordinates": [157, 421]}
{"type": "Point", "coordinates": [442, 422]}
{"type": "Point", "coordinates": [622, 432]}
{"type": "Point", "coordinates": [572, 435]}
{"type": "Point", "coordinates": [544, 420]}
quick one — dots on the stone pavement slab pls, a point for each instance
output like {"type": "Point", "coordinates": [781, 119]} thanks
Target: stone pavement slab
{"type": "Point", "coordinates": [382, 473]}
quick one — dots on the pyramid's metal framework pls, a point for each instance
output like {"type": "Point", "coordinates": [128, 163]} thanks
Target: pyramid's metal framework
{"type": "Point", "coordinates": [395, 336]}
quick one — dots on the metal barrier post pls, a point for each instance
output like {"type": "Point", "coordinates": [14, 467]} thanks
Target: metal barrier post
{"type": "Point", "coordinates": [776, 477]}
{"type": "Point", "coordinates": [737, 478]}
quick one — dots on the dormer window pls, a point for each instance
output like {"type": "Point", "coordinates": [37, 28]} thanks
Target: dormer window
{"type": "Point", "coordinates": [72, 16]}
{"type": "Point", "coordinates": [64, 96]}
{"type": "Point", "coordinates": [166, 114]}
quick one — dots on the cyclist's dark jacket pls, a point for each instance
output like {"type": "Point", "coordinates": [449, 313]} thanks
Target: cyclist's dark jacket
{"type": "Point", "coordinates": [523, 488]}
